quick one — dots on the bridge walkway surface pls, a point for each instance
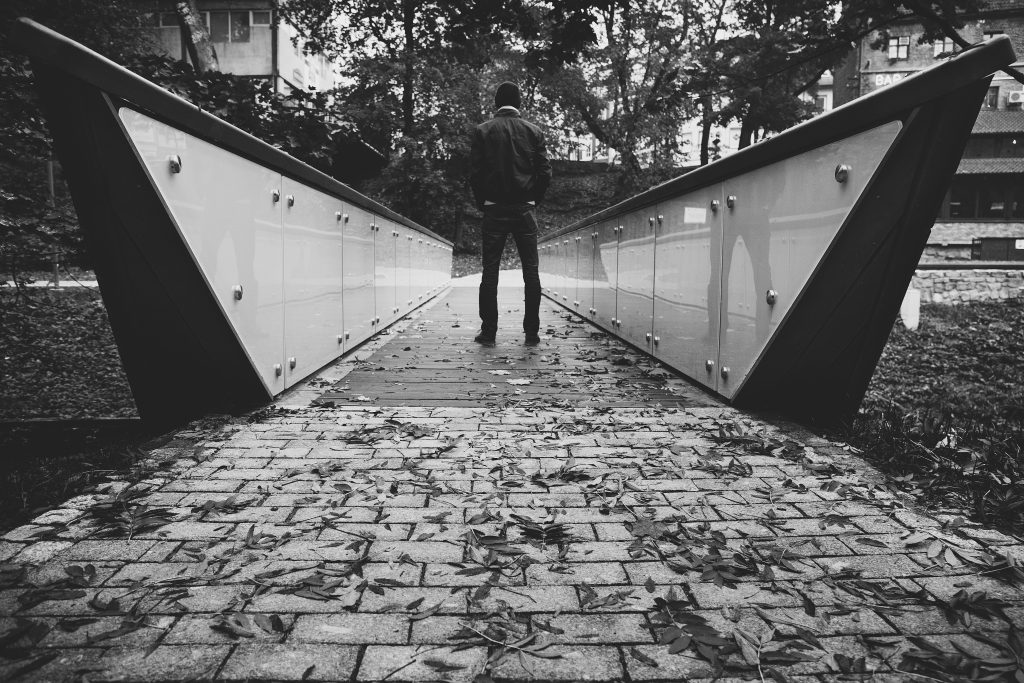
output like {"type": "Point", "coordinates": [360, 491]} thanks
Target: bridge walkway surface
{"type": "Point", "coordinates": [428, 509]}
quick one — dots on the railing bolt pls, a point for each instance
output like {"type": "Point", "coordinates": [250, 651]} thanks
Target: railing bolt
{"type": "Point", "coordinates": [277, 370]}
{"type": "Point", "coordinates": [714, 205]}
{"type": "Point", "coordinates": [771, 297]}
{"type": "Point", "coordinates": [843, 173]}
{"type": "Point", "coordinates": [730, 201]}
{"type": "Point", "coordinates": [709, 365]}
{"type": "Point", "coordinates": [291, 200]}
{"type": "Point", "coordinates": [276, 194]}
{"type": "Point", "coordinates": [174, 162]}
{"type": "Point", "coordinates": [291, 363]}
{"type": "Point", "coordinates": [725, 372]}
{"type": "Point", "coordinates": [236, 291]}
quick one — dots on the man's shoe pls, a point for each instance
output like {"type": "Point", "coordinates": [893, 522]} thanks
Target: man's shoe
{"type": "Point", "coordinates": [484, 339]}
{"type": "Point", "coordinates": [532, 340]}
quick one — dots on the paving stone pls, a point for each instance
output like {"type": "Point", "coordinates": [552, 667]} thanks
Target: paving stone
{"type": "Point", "coordinates": [594, 573]}
{"type": "Point", "coordinates": [41, 551]}
{"type": "Point", "coordinates": [928, 621]}
{"type": "Point", "coordinates": [594, 551]}
{"type": "Point", "coordinates": [328, 551]}
{"type": "Point", "coordinates": [198, 599]}
{"type": "Point", "coordinates": [529, 599]}
{"type": "Point", "coordinates": [419, 663]}
{"type": "Point", "coordinates": [658, 572]}
{"type": "Point", "coordinates": [418, 551]}
{"type": "Point", "coordinates": [67, 633]}
{"type": "Point", "coordinates": [351, 629]}
{"type": "Point", "coordinates": [270, 662]}
{"type": "Point", "coordinates": [190, 531]}
{"type": "Point", "coordinates": [404, 573]}
{"type": "Point", "coordinates": [160, 551]}
{"type": "Point", "coordinates": [9, 550]}
{"type": "Point", "coordinates": [438, 630]}
{"type": "Point", "coordinates": [448, 575]}
{"type": "Point", "coordinates": [945, 587]}
{"type": "Point", "coordinates": [66, 665]}
{"type": "Point", "coordinates": [670, 667]}
{"type": "Point", "coordinates": [576, 663]}
{"type": "Point", "coordinates": [594, 628]}
{"type": "Point", "coordinates": [710, 596]}
{"type": "Point", "coordinates": [197, 629]}
{"type": "Point", "coordinates": [399, 599]}
{"type": "Point", "coordinates": [353, 531]}
{"type": "Point", "coordinates": [872, 566]}
{"type": "Point", "coordinates": [113, 549]}
{"type": "Point", "coordinates": [829, 621]}
{"type": "Point", "coordinates": [165, 663]}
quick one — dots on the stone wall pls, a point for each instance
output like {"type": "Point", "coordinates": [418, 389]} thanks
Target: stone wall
{"type": "Point", "coordinates": [937, 253]}
{"type": "Point", "coordinates": [959, 286]}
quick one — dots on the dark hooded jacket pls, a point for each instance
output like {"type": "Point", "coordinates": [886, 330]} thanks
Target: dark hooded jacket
{"type": "Point", "coordinates": [508, 161]}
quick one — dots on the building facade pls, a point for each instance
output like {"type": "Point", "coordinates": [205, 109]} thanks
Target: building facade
{"type": "Point", "coordinates": [982, 216]}
{"type": "Point", "coordinates": [249, 41]}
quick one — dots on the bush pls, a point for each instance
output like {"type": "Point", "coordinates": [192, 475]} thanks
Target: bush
{"type": "Point", "coordinates": [945, 410]}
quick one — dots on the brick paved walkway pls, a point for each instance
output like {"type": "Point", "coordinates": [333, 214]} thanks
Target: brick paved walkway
{"type": "Point", "coordinates": [605, 521]}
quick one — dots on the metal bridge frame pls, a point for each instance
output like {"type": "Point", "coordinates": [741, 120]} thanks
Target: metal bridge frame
{"type": "Point", "coordinates": [317, 268]}
{"type": "Point", "coordinates": [772, 277]}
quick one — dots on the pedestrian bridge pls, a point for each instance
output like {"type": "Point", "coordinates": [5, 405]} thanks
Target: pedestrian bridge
{"type": "Point", "coordinates": [417, 507]}
{"type": "Point", "coordinates": [771, 278]}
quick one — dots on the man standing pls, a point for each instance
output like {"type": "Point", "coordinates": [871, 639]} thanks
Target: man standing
{"type": "Point", "coordinates": [509, 174]}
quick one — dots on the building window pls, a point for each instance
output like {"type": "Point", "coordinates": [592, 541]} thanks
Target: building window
{"type": "Point", "coordinates": [992, 204]}
{"type": "Point", "coordinates": [261, 18]}
{"type": "Point", "coordinates": [240, 32]}
{"type": "Point", "coordinates": [944, 47]}
{"type": "Point", "coordinates": [991, 197]}
{"type": "Point", "coordinates": [899, 47]}
{"type": "Point", "coordinates": [961, 201]}
{"type": "Point", "coordinates": [991, 98]}
{"type": "Point", "coordinates": [228, 27]}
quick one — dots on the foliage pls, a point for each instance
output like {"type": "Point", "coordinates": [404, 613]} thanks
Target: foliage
{"type": "Point", "coordinates": [780, 52]}
{"type": "Point", "coordinates": [56, 461]}
{"type": "Point", "coordinates": [945, 410]}
{"type": "Point", "coordinates": [59, 358]}
{"type": "Point", "coordinates": [307, 125]}
{"type": "Point", "coordinates": [627, 87]}
{"type": "Point", "coordinates": [29, 226]}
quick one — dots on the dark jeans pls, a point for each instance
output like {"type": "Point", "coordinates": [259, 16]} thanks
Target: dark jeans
{"type": "Point", "coordinates": [499, 223]}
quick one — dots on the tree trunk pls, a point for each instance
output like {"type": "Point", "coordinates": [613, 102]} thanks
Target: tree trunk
{"type": "Point", "coordinates": [705, 131]}
{"type": "Point", "coordinates": [747, 128]}
{"type": "Point", "coordinates": [408, 17]}
{"type": "Point", "coordinates": [459, 230]}
{"type": "Point", "coordinates": [630, 170]}
{"type": "Point", "coordinates": [197, 38]}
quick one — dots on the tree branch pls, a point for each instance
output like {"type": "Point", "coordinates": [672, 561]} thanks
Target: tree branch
{"type": "Point", "coordinates": [926, 11]}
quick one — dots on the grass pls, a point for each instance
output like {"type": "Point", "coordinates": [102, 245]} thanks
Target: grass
{"type": "Point", "coordinates": [945, 411]}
